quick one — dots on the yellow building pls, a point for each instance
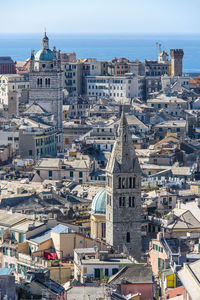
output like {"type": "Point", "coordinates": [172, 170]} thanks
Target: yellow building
{"type": "Point", "coordinates": [98, 215]}
{"type": "Point", "coordinates": [195, 187]}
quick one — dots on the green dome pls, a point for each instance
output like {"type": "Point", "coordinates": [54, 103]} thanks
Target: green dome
{"type": "Point", "coordinates": [45, 54]}
{"type": "Point", "coordinates": [99, 203]}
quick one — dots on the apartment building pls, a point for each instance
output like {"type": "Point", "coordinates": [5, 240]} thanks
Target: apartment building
{"type": "Point", "coordinates": [115, 87]}
{"type": "Point", "coordinates": [13, 83]}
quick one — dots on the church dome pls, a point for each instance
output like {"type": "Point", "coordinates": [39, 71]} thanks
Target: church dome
{"type": "Point", "coordinates": [45, 54]}
{"type": "Point", "coordinates": [99, 203]}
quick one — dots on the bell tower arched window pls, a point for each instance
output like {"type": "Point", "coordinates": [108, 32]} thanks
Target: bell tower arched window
{"type": "Point", "coordinates": [128, 237]}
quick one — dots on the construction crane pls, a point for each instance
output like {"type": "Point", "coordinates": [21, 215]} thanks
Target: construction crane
{"type": "Point", "coordinates": [158, 45]}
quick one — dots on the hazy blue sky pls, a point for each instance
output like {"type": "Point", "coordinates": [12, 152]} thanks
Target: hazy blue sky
{"type": "Point", "coordinates": [100, 16]}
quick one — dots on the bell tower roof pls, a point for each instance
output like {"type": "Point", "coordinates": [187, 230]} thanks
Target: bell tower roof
{"type": "Point", "coordinates": [123, 158]}
{"type": "Point", "coordinates": [45, 42]}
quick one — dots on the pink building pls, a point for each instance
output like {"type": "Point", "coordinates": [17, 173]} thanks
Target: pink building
{"type": "Point", "coordinates": [158, 255]}
{"type": "Point", "coordinates": [9, 256]}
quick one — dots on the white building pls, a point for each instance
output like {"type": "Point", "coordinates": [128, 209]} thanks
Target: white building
{"type": "Point", "coordinates": [115, 87]}
{"type": "Point", "coordinates": [10, 83]}
{"type": "Point", "coordinates": [91, 264]}
{"type": "Point", "coordinates": [168, 81]}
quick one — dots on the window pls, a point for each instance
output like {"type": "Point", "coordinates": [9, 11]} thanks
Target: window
{"type": "Point", "coordinates": [50, 173]}
{"type": "Point", "coordinates": [71, 174]}
{"type": "Point", "coordinates": [120, 183]}
{"type": "Point", "coordinates": [97, 273]}
{"type": "Point", "coordinates": [80, 174]}
{"type": "Point", "coordinates": [30, 152]}
{"type": "Point", "coordinates": [103, 230]}
{"type": "Point", "coordinates": [133, 182]}
{"type": "Point", "coordinates": [130, 182]}
{"type": "Point", "coordinates": [123, 183]}
{"type": "Point", "coordinates": [128, 238]}
{"type": "Point", "coordinates": [11, 253]}
{"type": "Point", "coordinates": [131, 201]}
{"type": "Point", "coordinates": [21, 237]}
{"type": "Point", "coordinates": [122, 201]}
{"type": "Point", "coordinates": [19, 270]}
{"type": "Point", "coordinates": [106, 272]}
{"type": "Point", "coordinates": [6, 264]}
{"type": "Point", "coordinates": [114, 271]}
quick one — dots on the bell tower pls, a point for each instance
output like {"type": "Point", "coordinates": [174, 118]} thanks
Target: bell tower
{"type": "Point", "coordinates": [123, 195]}
{"type": "Point", "coordinates": [46, 84]}
{"type": "Point", "coordinates": [45, 42]}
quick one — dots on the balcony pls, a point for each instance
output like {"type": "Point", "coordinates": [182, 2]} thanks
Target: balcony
{"type": "Point", "coordinates": [34, 262]}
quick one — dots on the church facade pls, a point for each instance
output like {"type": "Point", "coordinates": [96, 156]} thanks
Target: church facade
{"type": "Point", "coordinates": [45, 79]}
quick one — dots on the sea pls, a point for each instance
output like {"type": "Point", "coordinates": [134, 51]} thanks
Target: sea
{"type": "Point", "coordinates": [106, 46]}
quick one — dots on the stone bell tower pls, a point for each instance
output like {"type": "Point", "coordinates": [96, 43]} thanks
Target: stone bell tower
{"type": "Point", "coordinates": [46, 82]}
{"type": "Point", "coordinates": [123, 195]}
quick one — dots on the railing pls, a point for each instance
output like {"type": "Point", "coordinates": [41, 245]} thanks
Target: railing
{"type": "Point", "coordinates": [37, 262]}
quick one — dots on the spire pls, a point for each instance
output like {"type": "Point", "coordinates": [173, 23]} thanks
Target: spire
{"type": "Point", "coordinates": [45, 41]}
{"type": "Point", "coordinates": [123, 157]}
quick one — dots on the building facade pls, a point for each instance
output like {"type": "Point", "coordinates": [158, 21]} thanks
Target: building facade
{"type": "Point", "coordinates": [115, 87]}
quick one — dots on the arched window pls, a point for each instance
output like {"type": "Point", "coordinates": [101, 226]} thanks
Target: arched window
{"type": "Point", "coordinates": [40, 82]}
{"type": "Point", "coordinates": [123, 183]}
{"type": "Point", "coordinates": [131, 201]}
{"type": "Point", "coordinates": [130, 182]}
{"type": "Point", "coordinates": [48, 81]}
{"type": "Point", "coordinates": [133, 182]}
{"type": "Point", "coordinates": [128, 237]}
{"type": "Point", "coordinates": [120, 183]}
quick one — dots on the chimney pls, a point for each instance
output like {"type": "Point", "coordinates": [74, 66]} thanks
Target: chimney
{"type": "Point", "coordinates": [178, 205]}
{"type": "Point", "coordinates": [159, 236]}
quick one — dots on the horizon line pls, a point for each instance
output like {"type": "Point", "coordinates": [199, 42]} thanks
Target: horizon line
{"type": "Point", "coordinates": [107, 33]}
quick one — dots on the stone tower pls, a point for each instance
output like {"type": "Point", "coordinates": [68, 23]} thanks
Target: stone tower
{"type": "Point", "coordinates": [45, 79]}
{"type": "Point", "coordinates": [123, 195]}
{"type": "Point", "coordinates": [176, 62]}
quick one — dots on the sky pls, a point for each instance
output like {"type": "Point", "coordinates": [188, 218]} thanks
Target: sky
{"type": "Point", "coordinates": [100, 16]}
